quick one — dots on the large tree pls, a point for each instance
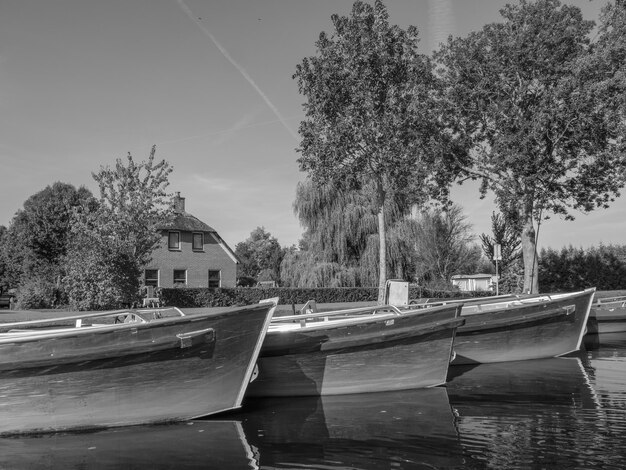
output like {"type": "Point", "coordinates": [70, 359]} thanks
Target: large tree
{"type": "Point", "coordinates": [546, 137]}
{"type": "Point", "coordinates": [113, 242]}
{"type": "Point", "coordinates": [445, 246]}
{"type": "Point", "coordinates": [342, 234]}
{"type": "Point", "coordinates": [505, 235]}
{"type": "Point", "coordinates": [369, 113]}
{"type": "Point", "coordinates": [260, 252]}
{"type": "Point", "coordinates": [35, 243]}
{"type": "Point", "coordinates": [510, 272]}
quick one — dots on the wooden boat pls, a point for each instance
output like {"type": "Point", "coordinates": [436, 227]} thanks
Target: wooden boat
{"type": "Point", "coordinates": [608, 315]}
{"type": "Point", "coordinates": [503, 329]}
{"type": "Point", "coordinates": [368, 349]}
{"type": "Point", "coordinates": [126, 367]}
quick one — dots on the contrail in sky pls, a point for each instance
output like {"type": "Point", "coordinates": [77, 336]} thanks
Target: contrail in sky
{"type": "Point", "coordinates": [441, 21]}
{"type": "Point", "coordinates": [241, 70]}
{"type": "Point", "coordinates": [221, 131]}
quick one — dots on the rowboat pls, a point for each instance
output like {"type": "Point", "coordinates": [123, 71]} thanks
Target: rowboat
{"type": "Point", "coordinates": [126, 367]}
{"type": "Point", "coordinates": [608, 315]}
{"type": "Point", "coordinates": [369, 349]}
{"type": "Point", "coordinates": [503, 329]}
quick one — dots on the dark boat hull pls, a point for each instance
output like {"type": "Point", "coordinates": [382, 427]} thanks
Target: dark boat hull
{"type": "Point", "coordinates": [534, 329]}
{"type": "Point", "coordinates": [410, 350]}
{"type": "Point", "coordinates": [107, 376]}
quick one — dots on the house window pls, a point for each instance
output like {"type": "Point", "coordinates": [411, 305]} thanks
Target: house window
{"type": "Point", "coordinates": [180, 277]}
{"type": "Point", "coordinates": [151, 277]}
{"type": "Point", "coordinates": [174, 241]}
{"type": "Point", "coordinates": [215, 278]}
{"type": "Point", "coordinates": [198, 241]}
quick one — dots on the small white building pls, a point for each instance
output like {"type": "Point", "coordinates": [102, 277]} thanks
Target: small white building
{"type": "Point", "coordinates": [473, 282]}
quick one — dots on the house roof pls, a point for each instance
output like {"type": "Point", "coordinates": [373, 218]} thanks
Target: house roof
{"type": "Point", "coordinates": [188, 223]}
{"type": "Point", "coordinates": [185, 222]}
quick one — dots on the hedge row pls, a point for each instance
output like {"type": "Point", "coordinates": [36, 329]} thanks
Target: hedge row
{"type": "Point", "coordinates": [226, 297]}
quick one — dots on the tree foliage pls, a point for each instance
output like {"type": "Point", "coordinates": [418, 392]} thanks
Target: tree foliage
{"type": "Point", "coordinates": [4, 284]}
{"type": "Point", "coordinates": [35, 244]}
{"type": "Point", "coordinates": [570, 268]}
{"type": "Point", "coordinates": [539, 106]}
{"type": "Point", "coordinates": [45, 219]}
{"type": "Point", "coordinates": [340, 244]}
{"type": "Point", "coordinates": [260, 252]}
{"type": "Point", "coordinates": [369, 114]}
{"type": "Point", "coordinates": [445, 246]}
{"type": "Point", "coordinates": [505, 235]}
{"type": "Point", "coordinates": [510, 269]}
{"type": "Point", "coordinates": [112, 242]}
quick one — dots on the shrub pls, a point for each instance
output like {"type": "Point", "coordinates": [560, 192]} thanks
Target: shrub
{"type": "Point", "coordinates": [226, 297]}
{"type": "Point", "coordinates": [36, 294]}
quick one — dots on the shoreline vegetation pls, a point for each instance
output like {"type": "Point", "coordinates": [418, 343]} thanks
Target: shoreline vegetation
{"type": "Point", "coordinates": [8, 316]}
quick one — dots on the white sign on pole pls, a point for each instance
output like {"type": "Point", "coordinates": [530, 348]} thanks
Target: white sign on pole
{"type": "Point", "coordinates": [497, 252]}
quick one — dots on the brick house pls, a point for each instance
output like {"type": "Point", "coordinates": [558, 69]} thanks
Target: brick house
{"type": "Point", "coordinates": [191, 254]}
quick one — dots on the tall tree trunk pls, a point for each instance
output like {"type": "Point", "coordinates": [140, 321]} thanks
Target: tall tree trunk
{"type": "Point", "coordinates": [382, 243]}
{"type": "Point", "coordinates": [529, 250]}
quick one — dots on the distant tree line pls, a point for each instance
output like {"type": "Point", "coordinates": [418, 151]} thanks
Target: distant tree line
{"type": "Point", "coordinates": [570, 268]}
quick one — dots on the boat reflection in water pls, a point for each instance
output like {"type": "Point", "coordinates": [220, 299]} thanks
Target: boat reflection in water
{"type": "Point", "coordinates": [408, 429]}
{"type": "Point", "coordinates": [528, 414]}
{"type": "Point", "coordinates": [196, 444]}
{"type": "Point", "coordinates": [599, 344]}
{"type": "Point", "coordinates": [607, 359]}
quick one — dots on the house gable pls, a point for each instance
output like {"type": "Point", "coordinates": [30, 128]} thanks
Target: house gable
{"type": "Point", "coordinates": [200, 259]}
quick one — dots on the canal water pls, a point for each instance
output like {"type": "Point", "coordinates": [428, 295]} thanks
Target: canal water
{"type": "Point", "coordinates": [555, 413]}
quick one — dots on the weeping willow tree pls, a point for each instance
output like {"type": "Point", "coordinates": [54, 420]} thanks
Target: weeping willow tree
{"type": "Point", "coordinates": [341, 245]}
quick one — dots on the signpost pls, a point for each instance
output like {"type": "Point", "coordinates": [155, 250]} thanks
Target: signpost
{"type": "Point", "coordinates": [497, 256]}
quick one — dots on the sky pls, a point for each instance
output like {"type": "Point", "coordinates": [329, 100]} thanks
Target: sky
{"type": "Point", "coordinates": [209, 82]}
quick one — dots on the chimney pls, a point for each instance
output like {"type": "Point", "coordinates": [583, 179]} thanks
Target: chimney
{"type": "Point", "coordinates": [179, 203]}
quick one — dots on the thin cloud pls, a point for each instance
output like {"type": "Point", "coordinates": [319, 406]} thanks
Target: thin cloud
{"type": "Point", "coordinates": [241, 70]}
{"type": "Point", "coordinates": [215, 184]}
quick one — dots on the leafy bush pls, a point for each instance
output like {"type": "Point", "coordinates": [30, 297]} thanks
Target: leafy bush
{"type": "Point", "coordinates": [226, 297]}
{"type": "Point", "coordinates": [36, 294]}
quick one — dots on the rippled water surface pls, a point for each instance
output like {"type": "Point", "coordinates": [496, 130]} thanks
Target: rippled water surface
{"type": "Point", "coordinates": [552, 413]}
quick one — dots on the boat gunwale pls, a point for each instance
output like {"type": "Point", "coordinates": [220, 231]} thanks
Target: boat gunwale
{"type": "Point", "coordinates": [361, 317]}
{"type": "Point", "coordinates": [65, 331]}
{"type": "Point", "coordinates": [521, 303]}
